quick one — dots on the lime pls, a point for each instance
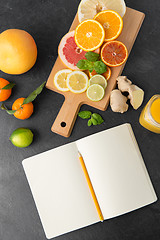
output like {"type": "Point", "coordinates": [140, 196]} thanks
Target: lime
{"type": "Point", "coordinates": [95, 92]}
{"type": "Point", "coordinates": [21, 137]}
{"type": "Point", "coordinates": [98, 79]}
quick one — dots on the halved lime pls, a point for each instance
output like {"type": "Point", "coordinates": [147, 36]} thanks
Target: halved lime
{"type": "Point", "coordinates": [21, 137]}
{"type": "Point", "coordinates": [95, 92]}
{"type": "Point", "coordinates": [98, 79]}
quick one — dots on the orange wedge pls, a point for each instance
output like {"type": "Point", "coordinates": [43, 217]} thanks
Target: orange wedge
{"type": "Point", "coordinates": [107, 74]}
{"type": "Point", "coordinates": [89, 35]}
{"type": "Point", "coordinates": [112, 23]}
{"type": "Point", "coordinates": [114, 53]}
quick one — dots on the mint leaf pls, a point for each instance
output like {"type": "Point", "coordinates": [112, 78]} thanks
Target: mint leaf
{"type": "Point", "coordinates": [90, 123]}
{"type": "Point", "coordinates": [95, 118]}
{"type": "Point", "coordinates": [91, 67]}
{"type": "Point", "coordinates": [82, 64]}
{"type": "Point", "coordinates": [9, 86]}
{"type": "Point", "coordinates": [92, 56]}
{"type": "Point", "coordinates": [11, 112]}
{"type": "Point", "coordinates": [98, 118]}
{"type": "Point", "coordinates": [92, 63]}
{"type": "Point", "coordinates": [85, 114]}
{"type": "Point", "coordinates": [94, 121]}
{"type": "Point", "coordinates": [85, 64]}
{"type": "Point", "coordinates": [34, 94]}
{"type": "Point", "coordinates": [100, 67]}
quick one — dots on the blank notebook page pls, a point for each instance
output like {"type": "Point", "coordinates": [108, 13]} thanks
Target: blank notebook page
{"type": "Point", "coordinates": [117, 171]}
{"type": "Point", "coordinates": [60, 190]}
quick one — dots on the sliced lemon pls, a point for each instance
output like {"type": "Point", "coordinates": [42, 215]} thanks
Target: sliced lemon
{"type": "Point", "coordinates": [77, 82]}
{"type": "Point", "coordinates": [95, 92]}
{"type": "Point", "coordinates": [60, 80]}
{"type": "Point", "coordinates": [98, 79]}
{"type": "Point", "coordinates": [89, 8]}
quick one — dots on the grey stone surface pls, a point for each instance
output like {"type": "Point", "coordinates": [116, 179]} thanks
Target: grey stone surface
{"type": "Point", "coordinates": [47, 21]}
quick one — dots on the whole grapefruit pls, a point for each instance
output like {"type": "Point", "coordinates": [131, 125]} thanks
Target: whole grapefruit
{"type": "Point", "coordinates": [18, 51]}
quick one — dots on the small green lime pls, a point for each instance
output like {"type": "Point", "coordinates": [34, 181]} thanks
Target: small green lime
{"type": "Point", "coordinates": [95, 92]}
{"type": "Point", "coordinates": [21, 137]}
{"type": "Point", "coordinates": [98, 79]}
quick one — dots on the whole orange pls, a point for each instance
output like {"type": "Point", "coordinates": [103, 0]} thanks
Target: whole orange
{"type": "Point", "coordinates": [18, 51]}
{"type": "Point", "coordinates": [23, 111]}
{"type": "Point", "coordinates": [4, 93]}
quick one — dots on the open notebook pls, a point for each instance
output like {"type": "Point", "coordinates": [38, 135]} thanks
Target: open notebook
{"type": "Point", "coordinates": [117, 172]}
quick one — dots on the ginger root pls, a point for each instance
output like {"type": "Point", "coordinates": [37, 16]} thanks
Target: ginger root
{"type": "Point", "coordinates": [136, 94]}
{"type": "Point", "coordinates": [123, 83]}
{"type": "Point", "coordinates": [118, 101]}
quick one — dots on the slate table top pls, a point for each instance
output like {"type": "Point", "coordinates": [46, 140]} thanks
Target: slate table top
{"type": "Point", "coordinates": [47, 21]}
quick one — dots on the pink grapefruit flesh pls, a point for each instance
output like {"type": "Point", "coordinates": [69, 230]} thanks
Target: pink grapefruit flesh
{"type": "Point", "coordinates": [69, 52]}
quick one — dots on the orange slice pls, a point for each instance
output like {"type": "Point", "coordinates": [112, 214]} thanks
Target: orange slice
{"type": "Point", "coordinates": [107, 74]}
{"type": "Point", "coordinates": [114, 53]}
{"type": "Point", "coordinates": [89, 35]}
{"type": "Point", "coordinates": [112, 23]}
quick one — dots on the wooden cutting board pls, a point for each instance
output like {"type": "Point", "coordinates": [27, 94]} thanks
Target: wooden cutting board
{"type": "Point", "coordinates": [65, 120]}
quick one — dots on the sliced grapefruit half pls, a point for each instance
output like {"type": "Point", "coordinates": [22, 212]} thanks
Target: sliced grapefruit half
{"type": "Point", "coordinates": [69, 52]}
{"type": "Point", "coordinates": [89, 8]}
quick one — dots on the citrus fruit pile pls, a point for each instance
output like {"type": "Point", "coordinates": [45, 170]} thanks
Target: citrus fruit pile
{"type": "Point", "coordinates": [22, 108]}
{"type": "Point", "coordinates": [98, 29]}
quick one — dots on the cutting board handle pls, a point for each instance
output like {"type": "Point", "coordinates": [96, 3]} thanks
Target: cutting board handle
{"type": "Point", "coordinates": [66, 118]}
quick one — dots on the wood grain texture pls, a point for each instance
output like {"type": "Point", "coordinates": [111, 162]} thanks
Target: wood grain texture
{"type": "Point", "coordinates": [68, 113]}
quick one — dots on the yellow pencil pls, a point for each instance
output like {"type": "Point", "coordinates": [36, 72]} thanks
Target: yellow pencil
{"type": "Point", "coordinates": [91, 187]}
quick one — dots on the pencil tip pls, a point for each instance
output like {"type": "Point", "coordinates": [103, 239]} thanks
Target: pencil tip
{"type": "Point", "coordinates": [79, 154]}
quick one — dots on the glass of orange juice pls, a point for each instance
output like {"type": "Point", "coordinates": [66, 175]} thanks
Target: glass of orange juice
{"type": "Point", "coordinates": [150, 116]}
